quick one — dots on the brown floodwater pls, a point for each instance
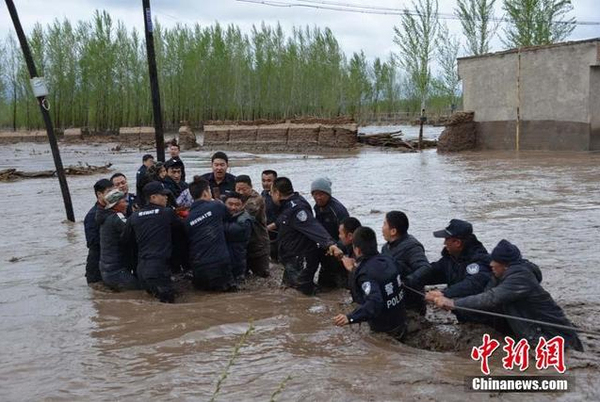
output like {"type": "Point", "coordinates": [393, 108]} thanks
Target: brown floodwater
{"type": "Point", "coordinates": [61, 340]}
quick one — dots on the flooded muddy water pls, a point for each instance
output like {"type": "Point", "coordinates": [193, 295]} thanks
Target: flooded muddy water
{"type": "Point", "coordinates": [61, 340]}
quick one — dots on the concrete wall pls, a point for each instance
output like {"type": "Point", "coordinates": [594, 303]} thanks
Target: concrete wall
{"type": "Point", "coordinates": [558, 96]}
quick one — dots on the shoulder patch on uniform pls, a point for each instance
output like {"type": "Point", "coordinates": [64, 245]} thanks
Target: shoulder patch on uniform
{"type": "Point", "coordinates": [302, 216]}
{"type": "Point", "coordinates": [473, 269]}
{"type": "Point", "coordinates": [366, 287]}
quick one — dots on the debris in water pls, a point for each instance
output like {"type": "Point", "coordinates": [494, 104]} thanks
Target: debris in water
{"type": "Point", "coordinates": [78, 170]}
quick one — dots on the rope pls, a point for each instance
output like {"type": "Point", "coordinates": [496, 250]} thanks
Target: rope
{"type": "Point", "coordinates": [511, 317]}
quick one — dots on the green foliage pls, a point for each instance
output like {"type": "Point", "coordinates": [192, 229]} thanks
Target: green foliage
{"type": "Point", "coordinates": [477, 20]}
{"type": "Point", "coordinates": [537, 22]}
{"type": "Point", "coordinates": [97, 74]}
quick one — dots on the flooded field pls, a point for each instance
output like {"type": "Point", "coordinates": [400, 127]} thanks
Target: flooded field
{"type": "Point", "coordinates": [61, 340]}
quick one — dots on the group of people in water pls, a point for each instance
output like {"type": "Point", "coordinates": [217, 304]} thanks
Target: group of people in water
{"type": "Point", "coordinates": [217, 230]}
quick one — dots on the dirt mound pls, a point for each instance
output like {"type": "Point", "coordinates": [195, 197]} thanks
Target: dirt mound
{"type": "Point", "coordinates": [459, 135]}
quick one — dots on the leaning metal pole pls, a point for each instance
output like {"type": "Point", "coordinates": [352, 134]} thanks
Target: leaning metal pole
{"type": "Point", "coordinates": [158, 124]}
{"type": "Point", "coordinates": [39, 90]}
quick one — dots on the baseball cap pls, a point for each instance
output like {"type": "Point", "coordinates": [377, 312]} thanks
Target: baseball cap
{"type": "Point", "coordinates": [456, 228]}
{"type": "Point", "coordinates": [113, 197]}
{"type": "Point", "coordinates": [155, 187]}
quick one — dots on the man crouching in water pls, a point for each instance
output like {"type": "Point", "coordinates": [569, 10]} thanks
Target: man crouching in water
{"type": "Point", "coordinates": [376, 286]}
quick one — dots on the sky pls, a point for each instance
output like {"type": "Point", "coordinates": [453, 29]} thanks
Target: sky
{"type": "Point", "coordinates": [372, 34]}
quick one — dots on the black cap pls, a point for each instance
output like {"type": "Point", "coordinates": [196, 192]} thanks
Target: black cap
{"type": "Point", "coordinates": [155, 187]}
{"type": "Point", "coordinates": [173, 163]}
{"type": "Point", "coordinates": [506, 252]}
{"type": "Point", "coordinates": [456, 228]}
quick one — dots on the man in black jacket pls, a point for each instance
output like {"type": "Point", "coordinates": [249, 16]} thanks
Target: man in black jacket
{"type": "Point", "coordinates": [174, 151]}
{"type": "Point", "coordinates": [174, 181]}
{"type": "Point", "coordinates": [515, 290]}
{"type": "Point", "coordinates": [407, 251]}
{"type": "Point", "coordinates": [116, 274]}
{"type": "Point", "coordinates": [92, 232]}
{"type": "Point", "coordinates": [238, 229]}
{"type": "Point", "coordinates": [346, 234]}
{"type": "Point", "coordinates": [151, 229]}
{"type": "Point", "coordinates": [300, 238]}
{"type": "Point", "coordinates": [376, 286]}
{"type": "Point", "coordinates": [464, 266]}
{"type": "Point", "coordinates": [209, 256]}
{"type": "Point", "coordinates": [219, 180]}
{"type": "Point", "coordinates": [119, 181]}
{"type": "Point", "coordinates": [147, 161]}
{"type": "Point", "coordinates": [330, 213]}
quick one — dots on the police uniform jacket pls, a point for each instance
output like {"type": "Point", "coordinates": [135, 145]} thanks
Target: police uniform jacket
{"type": "Point", "coordinates": [519, 293]}
{"type": "Point", "coordinates": [299, 232]}
{"type": "Point", "coordinates": [465, 275]}
{"type": "Point", "coordinates": [409, 251]}
{"type": "Point", "coordinates": [377, 287]}
{"type": "Point", "coordinates": [91, 228]}
{"type": "Point", "coordinates": [225, 187]}
{"type": "Point", "coordinates": [152, 230]}
{"type": "Point", "coordinates": [331, 215]}
{"type": "Point", "coordinates": [206, 233]}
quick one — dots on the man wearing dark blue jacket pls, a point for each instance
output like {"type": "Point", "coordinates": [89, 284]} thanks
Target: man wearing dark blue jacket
{"type": "Point", "coordinates": [407, 251]}
{"type": "Point", "coordinates": [115, 268]}
{"type": "Point", "coordinates": [464, 266]}
{"type": "Point", "coordinates": [515, 290]}
{"type": "Point", "coordinates": [238, 229]}
{"type": "Point", "coordinates": [209, 256]}
{"type": "Point", "coordinates": [330, 213]}
{"type": "Point", "coordinates": [92, 232]}
{"type": "Point", "coordinates": [377, 287]}
{"type": "Point", "coordinates": [300, 237]}
{"type": "Point", "coordinates": [147, 161]}
{"type": "Point", "coordinates": [152, 230]}
{"type": "Point", "coordinates": [221, 183]}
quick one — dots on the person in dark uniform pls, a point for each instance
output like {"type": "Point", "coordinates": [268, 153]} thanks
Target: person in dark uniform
{"type": "Point", "coordinates": [259, 245]}
{"type": "Point", "coordinates": [119, 181]}
{"type": "Point", "coordinates": [174, 180]}
{"type": "Point", "coordinates": [515, 290]}
{"type": "Point", "coordinates": [205, 227]}
{"type": "Point", "coordinates": [92, 233]}
{"type": "Point", "coordinates": [219, 180]}
{"type": "Point", "coordinates": [238, 229]}
{"type": "Point", "coordinates": [346, 233]}
{"type": "Point", "coordinates": [174, 151]}
{"type": "Point", "coordinates": [116, 274]}
{"type": "Point", "coordinates": [151, 229]}
{"type": "Point", "coordinates": [407, 251]}
{"type": "Point", "coordinates": [464, 266]}
{"type": "Point", "coordinates": [376, 286]}
{"type": "Point", "coordinates": [271, 209]}
{"type": "Point", "coordinates": [300, 238]}
{"type": "Point", "coordinates": [147, 161]}
{"type": "Point", "coordinates": [330, 213]}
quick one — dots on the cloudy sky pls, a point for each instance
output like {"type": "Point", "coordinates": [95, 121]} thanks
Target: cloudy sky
{"type": "Point", "coordinates": [371, 33]}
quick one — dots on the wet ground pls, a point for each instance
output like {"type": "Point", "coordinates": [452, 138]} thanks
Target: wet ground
{"type": "Point", "coordinates": [61, 340]}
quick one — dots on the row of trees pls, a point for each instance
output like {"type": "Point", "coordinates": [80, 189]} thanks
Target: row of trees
{"type": "Point", "coordinates": [97, 70]}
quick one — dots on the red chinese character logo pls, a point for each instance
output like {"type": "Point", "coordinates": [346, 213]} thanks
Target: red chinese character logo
{"type": "Point", "coordinates": [484, 352]}
{"type": "Point", "coordinates": [550, 353]}
{"type": "Point", "coordinates": [516, 354]}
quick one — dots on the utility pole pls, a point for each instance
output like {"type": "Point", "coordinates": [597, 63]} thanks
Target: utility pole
{"type": "Point", "coordinates": [40, 91]}
{"type": "Point", "coordinates": [154, 89]}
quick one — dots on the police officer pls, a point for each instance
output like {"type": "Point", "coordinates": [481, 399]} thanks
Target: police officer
{"type": "Point", "coordinates": [147, 161]}
{"type": "Point", "coordinates": [407, 251]}
{"type": "Point", "coordinates": [209, 256]}
{"type": "Point", "coordinates": [464, 266]}
{"type": "Point", "coordinates": [515, 290]}
{"type": "Point", "coordinates": [346, 234]}
{"type": "Point", "coordinates": [174, 151]}
{"type": "Point", "coordinates": [238, 229]}
{"type": "Point", "coordinates": [219, 180]}
{"type": "Point", "coordinates": [92, 232]}
{"type": "Point", "coordinates": [116, 274]}
{"type": "Point", "coordinates": [300, 238]}
{"type": "Point", "coordinates": [119, 181]}
{"type": "Point", "coordinates": [151, 228]}
{"type": "Point", "coordinates": [174, 181]}
{"type": "Point", "coordinates": [330, 213]}
{"type": "Point", "coordinates": [376, 286]}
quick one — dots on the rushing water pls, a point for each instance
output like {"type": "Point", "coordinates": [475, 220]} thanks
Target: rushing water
{"type": "Point", "coordinates": [61, 340]}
